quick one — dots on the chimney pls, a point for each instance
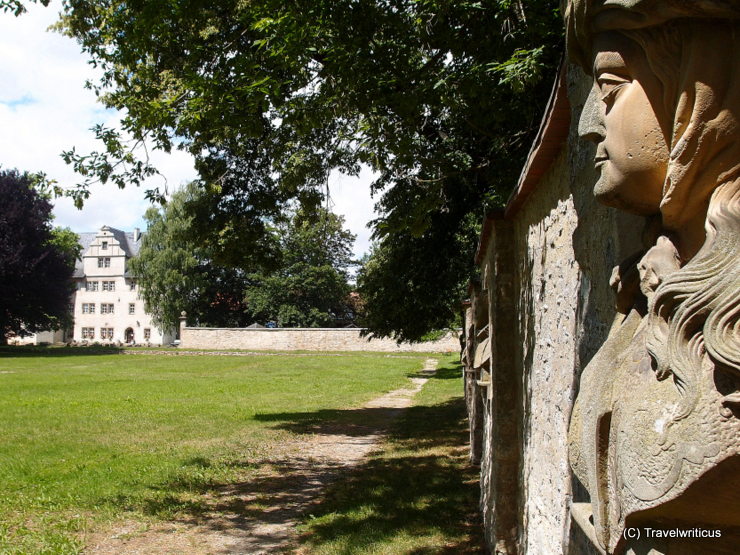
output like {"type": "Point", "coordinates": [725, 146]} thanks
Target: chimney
{"type": "Point", "coordinates": [137, 234]}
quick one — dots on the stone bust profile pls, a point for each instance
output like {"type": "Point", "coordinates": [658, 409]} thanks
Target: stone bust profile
{"type": "Point", "coordinates": [655, 431]}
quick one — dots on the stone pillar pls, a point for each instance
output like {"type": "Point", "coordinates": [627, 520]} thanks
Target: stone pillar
{"type": "Point", "coordinates": [475, 357]}
{"type": "Point", "coordinates": [501, 396]}
{"type": "Point", "coordinates": [183, 324]}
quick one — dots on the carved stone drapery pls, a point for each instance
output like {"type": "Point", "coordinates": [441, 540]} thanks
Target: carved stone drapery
{"type": "Point", "coordinates": [654, 432]}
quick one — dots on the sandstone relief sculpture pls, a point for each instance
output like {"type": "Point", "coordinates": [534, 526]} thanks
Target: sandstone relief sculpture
{"type": "Point", "coordinates": [655, 429]}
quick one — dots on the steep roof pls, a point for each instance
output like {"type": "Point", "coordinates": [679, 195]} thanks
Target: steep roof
{"type": "Point", "coordinates": [125, 239]}
{"type": "Point", "coordinates": [86, 238]}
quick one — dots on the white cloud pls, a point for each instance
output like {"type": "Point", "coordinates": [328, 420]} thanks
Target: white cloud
{"type": "Point", "coordinates": [45, 109]}
{"type": "Point", "coordinates": [350, 197]}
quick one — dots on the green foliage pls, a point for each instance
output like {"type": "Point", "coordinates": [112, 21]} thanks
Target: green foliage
{"type": "Point", "coordinates": [398, 299]}
{"type": "Point", "coordinates": [177, 272]}
{"type": "Point", "coordinates": [310, 288]}
{"type": "Point", "coordinates": [521, 70]}
{"type": "Point", "coordinates": [16, 7]}
{"type": "Point", "coordinates": [36, 261]}
{"type": "Point", "coordinates": [440, 97]}
{"type": "Point", "coordinates": [434, 335]}
{"type": "Point", "coordinates": [66, 241]}
{"type": "Point", "coordinates": [293, 272]}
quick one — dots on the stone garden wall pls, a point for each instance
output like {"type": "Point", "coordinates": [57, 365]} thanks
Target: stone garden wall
{"type": "Point", "coordinates": [543, 307]}
{"type": "Point", "coordinates": [305, 339]}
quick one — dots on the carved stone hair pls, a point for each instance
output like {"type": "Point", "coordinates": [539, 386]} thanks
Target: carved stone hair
{"type": "Point", "coordinates": [585, 18]}
{"type": "Point", "coordinates": [694, 316]}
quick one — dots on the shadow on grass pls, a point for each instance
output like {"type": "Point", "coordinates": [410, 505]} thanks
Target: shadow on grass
{"type": "Point", "coordinates": [420, 491]}
{"type": "Point", "coordinates": [419, 495]}
{"type": "Point", "coordinates": [450, 372]}
{"type": "Point", "coordinates": [13, 351]}
{"type": "Point", "coordinates": [420, 486]}
{"type": "Point", "coordinates": [351, 422]}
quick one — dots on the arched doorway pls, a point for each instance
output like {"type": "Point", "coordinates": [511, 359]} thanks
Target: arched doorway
{"type": "Point", "coordinates": [129, 335]}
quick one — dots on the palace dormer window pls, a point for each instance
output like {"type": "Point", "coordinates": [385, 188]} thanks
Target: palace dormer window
{"type": "Point", "coordinates": [104, 245]}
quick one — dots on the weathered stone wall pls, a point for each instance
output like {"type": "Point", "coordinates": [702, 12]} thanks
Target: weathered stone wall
{"type": "Point", "coordinates": [605, 416]}
{"type": "Point", "coordinates": [549, 281]}
{"type": "Point", "coordinates": [501, 457]}
{"type": "Point", "coordinates": [305, 339]}
{"type": "Point", "coordinates": [545, 271]}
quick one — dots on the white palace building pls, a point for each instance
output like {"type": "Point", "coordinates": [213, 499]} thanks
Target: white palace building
{"type": "Point", "coordinates": [106, 304]}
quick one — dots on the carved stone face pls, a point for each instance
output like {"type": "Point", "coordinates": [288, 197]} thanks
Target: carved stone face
{"type": "Point", "coordinates": [664, 113]}
{"type": "Point", "coordinates": [631, 149]}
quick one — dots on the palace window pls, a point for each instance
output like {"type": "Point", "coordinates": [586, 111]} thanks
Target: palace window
{"type": "Point", "coordinates": [104, 245]}
{"type": "Point", "coordinates": [104, 262]}
{"type": "Point", "coordinates": [88, 308]}
{"type": "Point", "coordinates": [131, 308]}
{"type": "Point", "coordinates": [109, 286]}
{"type": "Point", "coordinates": [88, 333]}
{"type": "Point", "coordinates": [106, 333]}
{"type": "Point", "coordinates": [91, 285]}
{"type": "Point", "coordinates": [106, 308]}
{"type": "Point", "coordinates": [147, 334]}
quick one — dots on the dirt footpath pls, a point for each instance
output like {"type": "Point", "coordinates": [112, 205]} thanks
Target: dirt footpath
{"type": "Point", "coordinates": [260, 515]}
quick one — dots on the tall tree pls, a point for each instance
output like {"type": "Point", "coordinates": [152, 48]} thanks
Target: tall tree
{"type": "Point", "coordinates": [397, 299]}
{"type": "Point", "coordinates": [310, 288]}
{"type": "Point", "coordinates": [36, 261]}
{"type": "Point", "coordinates": [177, 272]}
{"type": "Point", "coordinates": [440, 97]}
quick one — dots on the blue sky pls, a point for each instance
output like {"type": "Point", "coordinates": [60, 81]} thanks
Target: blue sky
{"type": "Point", "coordinates": [45, 109]}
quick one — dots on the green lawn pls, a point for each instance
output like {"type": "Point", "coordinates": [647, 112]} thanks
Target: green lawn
{"type": "Point", "coordinates": [417, 495]}
{"type": "Point", "coordinates": [89, 436]}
